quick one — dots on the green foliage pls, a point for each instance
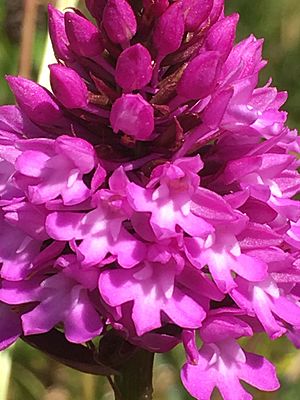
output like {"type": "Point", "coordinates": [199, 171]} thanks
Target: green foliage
{"type": "Point", "coordinates": [8, 58]}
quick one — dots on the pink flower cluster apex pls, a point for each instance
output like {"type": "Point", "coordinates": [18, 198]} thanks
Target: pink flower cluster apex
{"type": "Point", "coordinates": [152, 192]}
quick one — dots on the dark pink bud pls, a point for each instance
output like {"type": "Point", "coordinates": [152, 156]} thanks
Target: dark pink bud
{"type": "Point", "coordinates": [36, 101]}
{"type": "Point", "coordinates": [68, 86]}
{"type": "Point", "coordinates": [134, 68]}
{"type": "Point", "coordinates": [199, 78]}
{"type": "Point", "coordinates": [196, 12]}
{"type": "Point", "coordinates": [217, 11]}
{"type": "Point", "coordinates": [119, 21]}
{"type": "Point", "coordinates": [58, 34]}
{"type": "Point", "coordinates": [96, 8]}
{"type": "Point", "coordinates": [84, 37]}
{"type": "Point", "coordinates": [169, 30]}
{"type": "Point", "coordinates": [221, 36]}
{"type": "Point", "coordinates": [155, 7]}
{"type": "Point", "coordinates": [132, 115]}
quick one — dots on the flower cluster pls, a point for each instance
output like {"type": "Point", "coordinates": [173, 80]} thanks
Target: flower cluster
{"type": "Point", "coordinates": [152, 192]}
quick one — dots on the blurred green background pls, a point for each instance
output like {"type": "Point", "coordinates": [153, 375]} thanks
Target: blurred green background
{"type": "Point", "coordinates": [34, 376]}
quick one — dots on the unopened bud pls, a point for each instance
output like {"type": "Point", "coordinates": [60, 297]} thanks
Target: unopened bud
{"type": "Point", "coordinates": [84, 37]}
{"type": "Point", "coordinates": [132, 115]}
{"type": "Point", "coordinates": [199, 78]}
{"type": "Point", "coordinates": [196, 12]}
{"type": "Point", "coordinates": [58, 34]}
{"type": "Point", "coordinates": [155, 8]}
{"type": "Point", "coordinates": [169, 30]}
{"type": "Point", "coordinates": [119, 21]}
{"type": "Point", "coordinates": [68, 86]}
{"type": "Point", "coordinates": [134, 68]}
{"type": "Point", "coordinates": [96, 8]}
{"type": "Point", "coordinates": [36, 101]}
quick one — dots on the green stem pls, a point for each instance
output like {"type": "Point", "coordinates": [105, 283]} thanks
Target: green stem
{"type": "Point", "coordinates": [135, 379]}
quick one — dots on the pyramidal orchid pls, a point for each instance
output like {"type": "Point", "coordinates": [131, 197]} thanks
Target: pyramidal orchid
{"type": "Point", "coordinates": [149, 198]}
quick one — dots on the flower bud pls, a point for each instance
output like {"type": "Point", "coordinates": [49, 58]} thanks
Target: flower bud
{"type": "Point", "coordinates": [84, 37]}
{"type": "Point", "coordinates": [196, 12]}
{"type": "Point", "coordinates": [134, 68]}
{"type": "Point", "coordinates": [58, 34]}
{"type": "Point", "coordinates": [68, 86]}
{"type": "Point", "coordinates": [248, 55]}
{"type": "Point", "coordinates": [169, 30]}
{"type": "Point", "coordinates": [155, 8]}
{"type": "Point", "coordinates": [221, 36]}
{"type": "Point", "coordinates": [199, 78]}
{"type": "Point", "coordinates": [96, 8]}
{"type": "Point", "coordinates": [36, 101]}
{"type": "Point", "coordinates": [119, 21]}
{"type": "Point", "coordinates": [132, 115]}
{"type": "Point", "coordinates": [217, 11]}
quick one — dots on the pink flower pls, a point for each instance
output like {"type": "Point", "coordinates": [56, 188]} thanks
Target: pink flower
{"type": "Point", "coordinates": [170, 202]}
{"type": "Point", "coordinates": [47, 169]}
{"type": "Point", "coordinates": [223, 365]}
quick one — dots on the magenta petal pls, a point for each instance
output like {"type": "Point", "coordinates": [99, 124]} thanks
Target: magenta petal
{"type": "Point", "coordinates": [92, 250]}
{"type": "Point", "coordinates": [212, 207]}
{"type": "Point", "coordinates": [222, 327]}
{"type": "Point", "coordinates": [251, 268]}
{"type": "Point", "coordinates": [44, 316]}
{"type": "Point", "coordinates": [126, 288]}
{"type": "Point", "coordinates": [31, 163]}
{"type": "Point", "coordinates": [286, 309]}
{"type": "Point", "coordinates": [148, 285]}
{"type": "Point", "coordinates": [129, 250]}
{"type": "Point", "coordinates": [20, 292]}
{"type": "Point", "coordinates": [198, 382]}
{"type": "Point", "coordinates": [214, 112]}
{"type": "Point", "coordinates": [64, 226]}
{"type": "Point", "coordinates": [17, 250]}
{"type": "Point", "coordinates": [10, 326]}
{"type": "Point", "coordinates": [184, 311]}
{"type": "Point", "coordinates": [82, 323]}
{"type": "Point", "coordinates": [231, 389]}
{"type": "Point", "coordinates": [79, 151]}
{"type": "Point", "coordinates": [15, 123]}
{"type": "Point", "coordinates": [259, 372]}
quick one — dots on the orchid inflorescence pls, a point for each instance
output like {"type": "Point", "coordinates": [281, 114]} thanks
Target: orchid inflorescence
{"type": "Point", "coordinates": [152, 193]}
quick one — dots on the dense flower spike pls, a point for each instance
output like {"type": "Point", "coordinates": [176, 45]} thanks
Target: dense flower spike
{"type": "Point", "coordinates": [151, 195]}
